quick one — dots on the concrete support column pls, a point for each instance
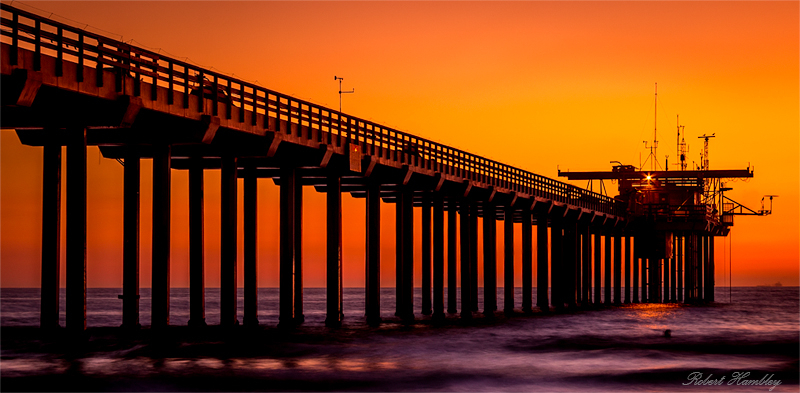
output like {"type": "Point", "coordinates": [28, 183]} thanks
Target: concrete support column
{"type": "Point", "coordinates": [228, 242]}
{"type": "Point", "coordinates": [130, 244]}
{"type": "Point", "coordinates": [250, 247]}
{"type": "Point", "coordinates": [407, 311]}
{"type": "Point", "coordinates": [473, 255]}
{"type": "Point", "coordinates": [197, 306]}
{"type": "Point", "coordinates": [586, 265]}
{"type": "Point", "coordinates": [578, 276]}
{"type": "Point", "coordinates": [489, 259]}
{"type": "Point", "coordinates": [335, 311]}
{"type": "Point", "coordinates": [628, 269]}
{"type": "Point", "coordinates": [426, 254]}
{"type": "Point", "coordinates": [673, 270]}
{"type": "Point", "coordinates": [508, 261]}
{"type": "Point", "coordinates": [568, 272]}
{"type": "Point", "coordinates": [51, 238]}
{"type": "Point", "coordinates": [666, 281]}
{"type": "Point", "coordinates": [299, 317]}
{"type": "Point", "coordinates": [708, 273]}
{"type": "Point", "coordinates": [635, 277]}
{"type": "Point", "coordinates": [161, 233]}
{"type": "Point", "coordinates": [598, 275]}
{"type": "Point", "coordinates": [466, 281]}
{"type": "Point", "coordinates": [289, 180]}
{"type": "Point", "coordinates": [556, 264]}
{"type": "Point", "coordinates": [644, 275]}
{"type": "Point", "coordinates": [452, 257]}
{"type": "Point", "coordinates": [607, 262]}
{"type": "Point", "coordinates": [527, 262]}
{"type": "Point", "coordinates": [679, 270]}
{"type": "Point", "coordinates": [373, 254]}
{"type": "Point", "coordinates": [76, 230]}
{"type": "Point", "coordinates": [398, 254]}
{"type": "Point", "coordinates": [542, 297]}
{"type": "Point", "coordinates": [438, 256]}
{"type": "Point", "coordinates": [701, 261]}
{"type": "Point", "coordinates": [617, 269]}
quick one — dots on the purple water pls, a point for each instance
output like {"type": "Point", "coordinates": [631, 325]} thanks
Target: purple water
{"type": "Point", "coordinates": [612, 349]}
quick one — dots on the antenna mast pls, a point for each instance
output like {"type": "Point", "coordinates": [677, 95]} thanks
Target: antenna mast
{"type": "Point", "coordinates": [654, 146]}
{"type": "Point", "coordinates": [682, 148]}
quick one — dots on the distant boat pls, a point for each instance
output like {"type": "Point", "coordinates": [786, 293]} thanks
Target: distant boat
{"type": "Point", "coordinates": [777, 284]}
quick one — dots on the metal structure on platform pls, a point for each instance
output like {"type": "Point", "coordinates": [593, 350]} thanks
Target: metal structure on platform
{"type": "Point", "coordinates": [64, 86]}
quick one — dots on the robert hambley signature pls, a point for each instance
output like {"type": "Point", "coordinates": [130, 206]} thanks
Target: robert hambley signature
{"type": "Point", "coordinates": [741, 378]}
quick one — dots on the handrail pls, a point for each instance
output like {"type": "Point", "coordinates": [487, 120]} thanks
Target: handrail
{"type": "Point", "coordinates": [322, 124]}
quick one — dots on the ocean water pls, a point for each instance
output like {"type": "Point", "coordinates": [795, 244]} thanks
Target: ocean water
{"type": "Point", "coordinates": [747, 344]}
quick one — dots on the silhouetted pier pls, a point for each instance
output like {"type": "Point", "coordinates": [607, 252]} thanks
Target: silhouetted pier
{"type": "Point", "coordinates": [64, 86]}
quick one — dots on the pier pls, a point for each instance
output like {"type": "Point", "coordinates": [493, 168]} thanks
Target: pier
{"type": "Point", "coordinates": [65, 88]}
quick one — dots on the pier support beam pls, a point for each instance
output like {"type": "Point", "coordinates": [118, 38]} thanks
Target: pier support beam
{"type": "Point", "coordinates": [438, 257]}
{"type": "Point", "coordinates": [570, 260]}
{"type": "Point", "coordinates": [700, 263]}
{"type": "Point", "coordinates": [508, 261]}
{"type": "Point", "coordinates": [556, 264]}
{"type": "Point", "coordinates": [708, 274]}
{"type": "Point", "coordinates": [527, 262]}
{"type": "Point", "coordinates": [161, 233]}
{"type": "Point", "coordinates": [666, 281]}
{"type": "Point", "coordinates": [617, 269]}
{"type": "Point", "coordinates": [473, 254]}
{"type": "Point", "coordinates": [607, 265]}
{"type": "Point", "coordinates": [452, 257]}
{"type": "Point", "coordinates": [287, 312]}
{"type": "Point", "coordinates": [426, 254]}
{"type": "Point", "coordinates": [250, 247]}
{"type": "Point", "coordinates": [542, 300]}
{"type": "Point", "coordinates": [76, 229]}
{"type": "Point", "coordinates": [335, 313]}
{"type": "Point", "coordinates": [228, 242]}
{"type": "Point", "coordinates": [628, 269]}
{"type": "Point", "coordinates": [679, 270]}
{"type": "Point", "coordinates": [586, 265]}
{"type": "Point", "coordinates": [466, 280]}
{"type": "Point", "coordinates": [197, 307]}
{"type": "Point", "coordinates": [489, 259]}
{"type": "Point", "coordinates": [635, 275]}
{"type": "Point", "coordinates": [407, 304]}
{"type": "Point", "coordinates": [598, 257]}
{"type": "Point", "coordinates": [373, 253]}
{"type": "Point", "coordinates": [51, 238]}
{"type": "Point", "coordinates": [299, 316]}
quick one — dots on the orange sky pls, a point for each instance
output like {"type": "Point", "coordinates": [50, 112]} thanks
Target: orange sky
{"type": "Point", "coordinates": [533, 84]}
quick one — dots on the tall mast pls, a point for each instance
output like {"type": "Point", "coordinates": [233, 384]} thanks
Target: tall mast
{"type": "Point", "coordinates": [654, 147]}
